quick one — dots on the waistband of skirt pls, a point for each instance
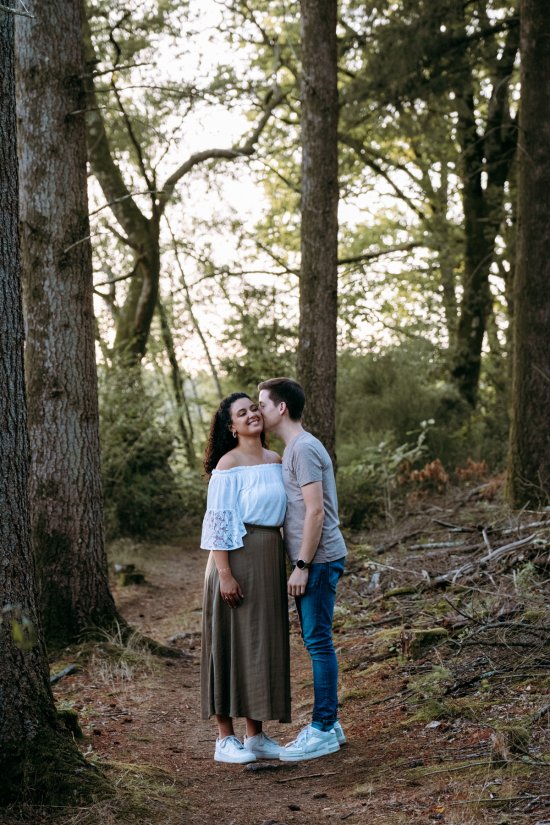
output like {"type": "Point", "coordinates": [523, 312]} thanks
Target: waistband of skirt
{"type": "Point", "coordinates": [253, 528]}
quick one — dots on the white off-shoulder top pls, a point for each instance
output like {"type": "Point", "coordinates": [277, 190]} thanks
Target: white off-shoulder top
{"type": "Point", "coordinates": [239, 496]}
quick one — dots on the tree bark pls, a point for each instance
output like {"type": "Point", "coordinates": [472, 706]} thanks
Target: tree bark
{"type": "Point", "coordinates": [67, 522]}
{"type": "Point", "coordinates": [319, 208]}
{"type": "Point", "coordinates": [38, 762]}
{"type": "Point", "coordinates": [529, 465]}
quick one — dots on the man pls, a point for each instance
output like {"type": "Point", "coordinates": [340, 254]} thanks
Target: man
{"type": "Point", "coordinates": [317, 550]}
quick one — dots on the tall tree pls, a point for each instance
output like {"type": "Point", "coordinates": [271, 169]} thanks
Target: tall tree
{"type": "Point", "coordinates": [141, 227]}
{"type": "Point", "coordinates": [450, 62]}
{"type": "Point", "coordinates": [66, 494]}
{"type": "Point", "coordinates": [486, 158]}
{"type": "Point", "coordinates": [38, 761]}
{"type": "Point", "coordinates": [319, 213]}
{"type": "Point", "coordinates": [529, 468]}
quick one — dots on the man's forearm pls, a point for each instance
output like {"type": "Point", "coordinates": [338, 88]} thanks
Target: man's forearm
{"type": "Point", "coordinates": [313, 527]}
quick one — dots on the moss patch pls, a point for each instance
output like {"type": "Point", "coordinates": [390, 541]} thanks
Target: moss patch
{"type": "Point", "coordinates": [407, 642]}
{"type": "Point", "coordinates": [47, 769]}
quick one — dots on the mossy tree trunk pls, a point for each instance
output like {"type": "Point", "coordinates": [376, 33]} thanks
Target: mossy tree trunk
{"type": "Point", "coordinates": [319, 207]}
{"type": "Point", "coordinates": [529, 466]}
{"type": "Point", "coordinates": [67, 512]}
{"type": "Point", "coordinates": [39, 763]}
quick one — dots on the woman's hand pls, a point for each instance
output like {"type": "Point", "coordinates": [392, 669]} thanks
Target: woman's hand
{"type": "Point", "coordinates": [230, 589]}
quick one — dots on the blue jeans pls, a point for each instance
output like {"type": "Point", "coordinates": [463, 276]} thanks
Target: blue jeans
{"type": "Point", "coordinates": [316, 609]}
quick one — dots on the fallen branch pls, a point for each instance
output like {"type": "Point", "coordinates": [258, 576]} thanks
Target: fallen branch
{"type": "Point", "coordinates": [457, 768]}
{"type": "Point", "coordinates": [536, 717]}
{"type": "Point", "coordinates": [56, 677]}
{"type": "Point", "coordinates": [305, 776]}
{"type": "Point", "coordinates": [455, 528]}
{"type": "Point", "coordinates": [471, 567]}
{"type": "Point", "coordinates": [433, 545]}
{"type": "Point", "coordinates": [498, 799]}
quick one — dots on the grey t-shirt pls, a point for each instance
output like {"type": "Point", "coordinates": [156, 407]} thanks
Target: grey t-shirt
{"type": "Point", "coordinates": [305, 461]}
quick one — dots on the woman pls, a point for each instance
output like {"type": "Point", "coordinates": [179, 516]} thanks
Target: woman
{"type": "Point", "coordinates": [245, 660]}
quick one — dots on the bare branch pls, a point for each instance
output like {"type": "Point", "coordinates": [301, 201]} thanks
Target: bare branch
{"type": "Point", "coordinates": [245, 149]}
{"type": "Point", "coordinates": [133, 139]}
{"type": "Point", "coordinates": [361, 150]}
{"type": "Point", "coordinates": [278, 260]}
{"type": "Point", "coordinates": [372, 256]}
{"type": "Point", "coordinates": [17, 13]}
{"type": "Point", "coordinates": [191, 312]}
{"type": "Point", "coordinates": [103, 166]}
{"type": "Point", "coordinates": [115, 280]}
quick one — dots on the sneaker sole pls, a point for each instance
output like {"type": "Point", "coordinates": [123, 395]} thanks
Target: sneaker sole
{"type": "Point", "coordinates": [305, 756]}
{"type": "Point", "coordinates": [270, 756]}
{"type": "Point", "coordinates": [234, 761]}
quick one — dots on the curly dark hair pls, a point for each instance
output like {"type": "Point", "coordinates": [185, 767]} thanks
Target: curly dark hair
{"type": "Point", "coordinates": [220, 440]}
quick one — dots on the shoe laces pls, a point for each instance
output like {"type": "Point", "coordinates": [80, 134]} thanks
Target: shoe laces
{"type": "Point", "coordinates": [231, 740]}
{"type": "Point", "coordinates": [303, 736]}
{"type": "Point", "coordinates": [266, 740]}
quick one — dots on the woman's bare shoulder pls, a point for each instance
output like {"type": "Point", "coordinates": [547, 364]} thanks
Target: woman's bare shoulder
{"type": "Point", "coordinates": [228, 461]}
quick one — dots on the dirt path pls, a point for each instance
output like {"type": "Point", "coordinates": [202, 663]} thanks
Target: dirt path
{"type": "Point", "coordinates": [140, 717]}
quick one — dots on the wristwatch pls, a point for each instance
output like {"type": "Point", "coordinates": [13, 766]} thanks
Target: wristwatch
{"type": "Point", "coordinates": [303, 565]}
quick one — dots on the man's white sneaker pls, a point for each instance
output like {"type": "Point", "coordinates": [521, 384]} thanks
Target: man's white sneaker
{"type": "Point", "coordinates": [310, 744]}
{"type": "Point", "coordinates": [262, 746]}
{"type": "Point", "coordinates": [230, 749]}
{"type": "Point", "coordinates": [340, 735]}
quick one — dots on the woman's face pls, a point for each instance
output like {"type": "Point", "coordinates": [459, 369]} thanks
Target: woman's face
{"type": "Point", "coordinates": [246, 418]}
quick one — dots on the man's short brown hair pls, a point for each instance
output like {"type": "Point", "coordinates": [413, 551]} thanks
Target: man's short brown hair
{"type": "Point", "coordinates": [287, 390]}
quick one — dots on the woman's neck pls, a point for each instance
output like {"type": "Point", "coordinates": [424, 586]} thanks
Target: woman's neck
{"type": "Point", "coordinates": [251, 448]}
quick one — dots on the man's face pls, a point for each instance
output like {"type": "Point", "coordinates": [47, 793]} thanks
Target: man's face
{"type": "Point", "coordinates": [269, 410]}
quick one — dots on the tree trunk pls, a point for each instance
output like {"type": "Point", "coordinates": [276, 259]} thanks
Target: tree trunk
{"type": "Point", "coordinates": [319, 207]}
{"type": "Point", "coordinates": [38, 762]}
{"type": "Point", "coordinates": [490, 152]}
{"type": "Point", "coordinates": [529, 467]}
{"type": "Point", "coordinates": [61, 373]}
{"type": "Point", "coordinates": [185, 425]}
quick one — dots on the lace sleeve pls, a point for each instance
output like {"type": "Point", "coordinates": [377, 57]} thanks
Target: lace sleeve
{"type": "Point", "coordinates": [222, 530]}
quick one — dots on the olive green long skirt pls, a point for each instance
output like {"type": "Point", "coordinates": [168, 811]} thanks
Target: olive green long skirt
{"type": "Point", "coordinates": [245, 656]}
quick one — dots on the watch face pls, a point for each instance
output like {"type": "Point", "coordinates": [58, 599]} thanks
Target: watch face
{"type": "Point", "coordinates": [301, 564]}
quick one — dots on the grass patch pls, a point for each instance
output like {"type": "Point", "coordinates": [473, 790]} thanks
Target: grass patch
{"type": "Point", "coordinates": [363, 791]}
{"type": "Point", "coordinates": [118, 658]}
{"type": "Point", "coordinates": [353, 694]}
{"type": "Point", "coordinates": [143, 794]}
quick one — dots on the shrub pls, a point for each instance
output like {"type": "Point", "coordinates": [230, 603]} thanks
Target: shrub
{"type": "Point", "coordinates": [140, 490]}
{"type": "Point", "coordinates": [366, 488]}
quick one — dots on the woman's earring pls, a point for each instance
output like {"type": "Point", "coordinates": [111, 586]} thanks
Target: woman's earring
{"type": "Point", "coordinates": [234, 434]}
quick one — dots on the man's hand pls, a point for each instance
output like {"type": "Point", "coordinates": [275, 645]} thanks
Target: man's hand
{"type": "Point", "coordinates": [297, 582]}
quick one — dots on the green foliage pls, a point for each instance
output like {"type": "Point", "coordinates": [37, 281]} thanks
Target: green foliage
{"type": "Point", "coordinates": [366, 487]}
{"type": "Point", "coordinates": [23, 629]}
{"type": "Point", "coordinates": [387, 392]}
{"type": "Point", "coordinates": [383, 396]}
{"type": "Point", "coordinates": [140, 489]}
{"type": "Point", "coordinates": [192, 488]}
{"type": "Point", "coordinates": [261, 342]}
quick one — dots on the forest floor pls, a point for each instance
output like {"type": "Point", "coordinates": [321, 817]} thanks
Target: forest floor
{"type": "Point", "coordinates": [443, 635]}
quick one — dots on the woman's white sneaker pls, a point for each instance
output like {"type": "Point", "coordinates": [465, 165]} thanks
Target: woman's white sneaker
{"type": "Point", "coordinates": [262, 746]}
{"type": "Point", "coordinates": [310, 744]}
{"type": "Point", "coordinates": [340, 735]}
{"type": "Point", "coordinates": [230, 749]}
